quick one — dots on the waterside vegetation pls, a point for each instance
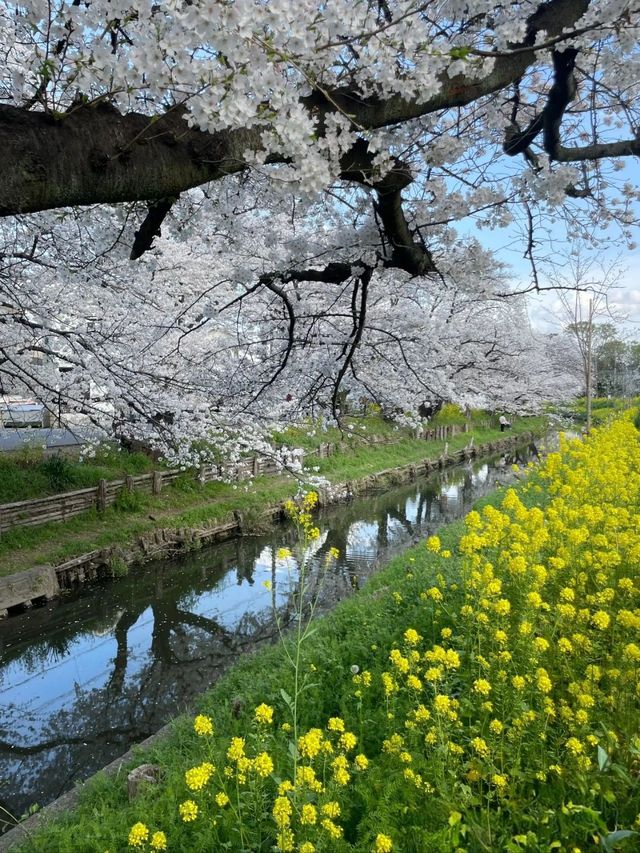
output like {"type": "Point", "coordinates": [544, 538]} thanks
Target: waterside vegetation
{"type": "Point", "coordinates": [481, 693]}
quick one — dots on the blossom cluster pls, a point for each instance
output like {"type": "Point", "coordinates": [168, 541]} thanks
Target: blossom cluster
{"type": "Point", "coordinates": [531, 689]}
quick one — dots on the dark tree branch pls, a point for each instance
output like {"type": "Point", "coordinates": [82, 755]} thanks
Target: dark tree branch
{"type": "Point", "coordinates": [406, 253]}
{"type": "Point", "coordinates": [150, 227]}
{"type": "Point", "coordinates": [268, 281]}
{"type": "Point", "coordinates": [365, 278]}
{"type": "Point", "coordinates": [562, 93]}
{"type": "Point", "coordinates": [333, 273]}
{"type": "Point", "coordinates": [598, 151]}
{"type": "Point", "coordinates": [518, 141]}
{"type": "Point", "coordinates": [93, 154]}
{"type": "Point", "coordinates": [560, 96]}
{"type": "Point", "coordinates": [549, 121]}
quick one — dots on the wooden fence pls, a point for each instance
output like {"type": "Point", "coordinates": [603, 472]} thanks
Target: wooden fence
{"type": "Point", "coordinates": [62, 507]}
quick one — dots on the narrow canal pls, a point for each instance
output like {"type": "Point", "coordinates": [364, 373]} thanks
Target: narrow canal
{"type": "Point", "coordinates": [86, 676]}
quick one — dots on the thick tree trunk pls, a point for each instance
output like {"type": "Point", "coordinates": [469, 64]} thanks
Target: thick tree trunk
{"type": "Point", "coordinates": [96, 155]}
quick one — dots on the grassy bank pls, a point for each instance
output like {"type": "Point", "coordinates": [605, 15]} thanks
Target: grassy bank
{"type": "Point", "coordinates": [26, 474]}
{"type": "Point", "coordinates": [603, 409]}
{"type": "Point", "coordinates": [480, 694]}
{"type": "Point", "coordinates": [190, 504]}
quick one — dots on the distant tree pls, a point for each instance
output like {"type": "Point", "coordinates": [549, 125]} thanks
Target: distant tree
{"type": "Point", "coordinates": [612, 358]}
{"type": "Point", "coordinates": [584, 297]}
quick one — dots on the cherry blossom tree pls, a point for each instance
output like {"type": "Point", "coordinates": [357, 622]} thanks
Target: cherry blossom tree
{"type": "Point", "coordinates": [196, 340]}
{"type": "Point", "coordinates": [310, 165]}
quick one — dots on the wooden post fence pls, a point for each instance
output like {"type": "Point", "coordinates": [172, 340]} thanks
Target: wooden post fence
{"type": "Point", "coordinates": [102, 496]}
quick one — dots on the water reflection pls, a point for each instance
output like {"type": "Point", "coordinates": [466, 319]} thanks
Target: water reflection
{"type": "Point", "coordinates": [84, 677]}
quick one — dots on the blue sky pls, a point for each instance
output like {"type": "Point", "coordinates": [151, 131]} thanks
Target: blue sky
{"type": "Point", "coordinates": [545, 310]}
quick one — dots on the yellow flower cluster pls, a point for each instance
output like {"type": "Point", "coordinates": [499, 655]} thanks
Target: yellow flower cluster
{"type": "Point", "coordinates": [519, 682]}
{"type": "Point", "coordinates": [203, 726]}
{"type": "Point", "coordinates": [197, 777]}
{"type": "Point", "coordinates": [300, 512]}
{"type": "Point", "coordinates": [188, 811]}
{"type": "Point", "coordinates": [303, 812]}
{"type": "Point", "coordinates": [543, 676]}
{"type": "Point", "coordinates": [383, 844]}
{"type": "Point", "coordinates": [264, 714]}
{"type": "Point", "coordinates": [140, 835]}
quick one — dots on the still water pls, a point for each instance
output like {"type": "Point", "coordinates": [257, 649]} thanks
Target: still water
{"type": "Point", "coordinates": [88, 675]}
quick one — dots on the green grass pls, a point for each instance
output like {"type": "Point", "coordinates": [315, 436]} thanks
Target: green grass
{"type": "Point", "coordinates": [345, 466]}
{"type": "Point", "coordinates": [26, 474]}
{"type": "Point", "coordinates": [356, 430]}
{"type": "Point", "coordinates": [602, 408]}
{"type": "Point", "coordinates": [188, 504]}
{"type": "Point", "coordinates": [53, 543]}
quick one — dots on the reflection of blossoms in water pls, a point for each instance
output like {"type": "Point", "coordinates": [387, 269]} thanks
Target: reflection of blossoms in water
{"type": "Point", "coordinates": [362, 536]}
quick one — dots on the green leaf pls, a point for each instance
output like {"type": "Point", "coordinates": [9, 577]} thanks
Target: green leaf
{"type": "Point", "coordinates": [604, 759]}
{"type": "Point", "coordinates": [459, 52]}
{"type": "Point", "coordinates": [288, 700]}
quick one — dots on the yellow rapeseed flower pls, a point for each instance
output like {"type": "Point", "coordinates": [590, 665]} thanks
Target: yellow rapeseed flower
{"type": "Point", "coordinates": [383, 844]}
{"type": "Point", "coordinates": [197, 777]}
{"type": "Point", "coordinates": [282, 811]}
{"type": "Point", "coordinates": [203, 725]}
{"type": "Point", "coordinates": [236, 749]}
{"type": "Point", "coordinates": [310, 744]}
{"type": "Point", "coordinates": [482, 686]}
{"type": "Point", "coordinates": [263, 765]}
{"type": "Point", "coordinates": [331, 809]}
{"type": "Point", "coordinates": [361, 761]}
{"type": "Point", "coordinates": [158, 841]}
{"type": "Point", "coordinates": [188, 811]}
{"type": "Point", "coordinates": [434, 544]}
{"type": "Point", "coordinates": [138, 834]}
{"type": "Point", "coordinates": [263, 714]}
{"type": "Point", "coordinates": [308, 814]}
